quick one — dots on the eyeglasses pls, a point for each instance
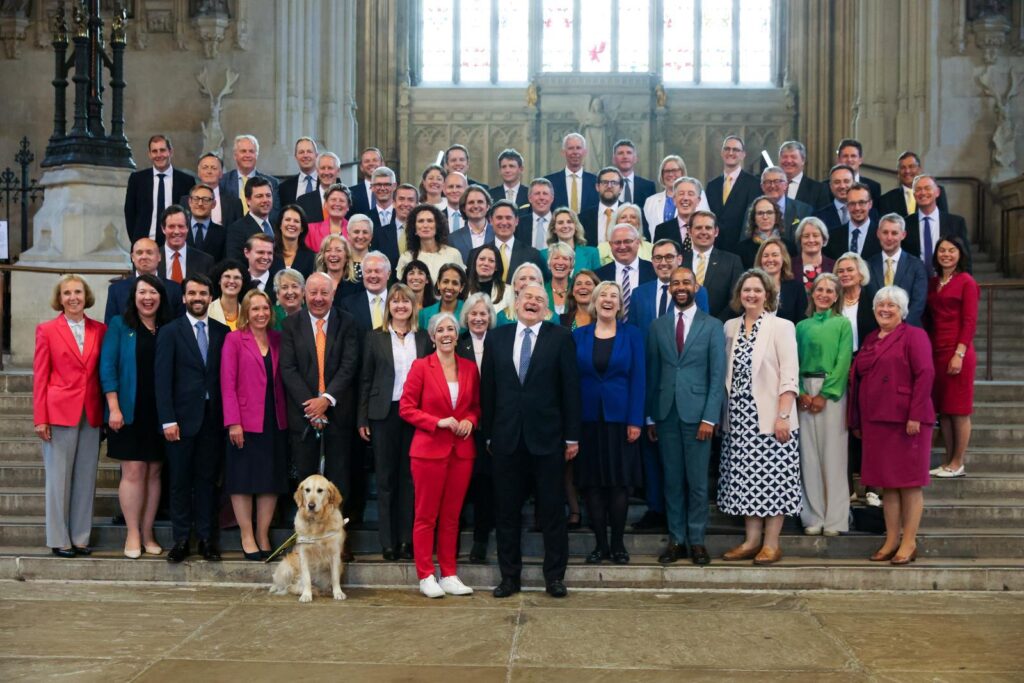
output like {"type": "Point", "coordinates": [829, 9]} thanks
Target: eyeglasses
{"type": "Point", "coordinates": [622, 243]}
{"type": "Point", "coordinates": [380, 186]}
{"type": "Point", "coordinates": [734, 150]}
{"type": "Point", "coordinates": [762, 214]}
{"type": "Point", "coordinates": [609, 183]}
{"type": "Point", "coordinates": [777, 181]}
{"type": "Point", "coordinates": [664, 258]}
{"type": "Point", "coordinates": [201, 200]}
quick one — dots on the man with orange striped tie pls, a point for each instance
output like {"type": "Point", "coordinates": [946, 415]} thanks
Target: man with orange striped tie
{"type": "Point", "coordinates": [180, 260]}
{"type": "Point", "coordinates": [319, 359]}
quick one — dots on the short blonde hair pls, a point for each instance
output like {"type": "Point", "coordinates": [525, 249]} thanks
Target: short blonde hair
{"type": "Point", "coordinates": [771, 299]}
{"type": "Point", "coordinates": [243, 311]}
{"type": "Point", "coordinates": [55, 304]}
{"type": "Point", "coordinates": [601, 286]}
{"type": "Point", "coordinates": [862, 266]}
{"type": "Point", "coordinates": [398, 290]}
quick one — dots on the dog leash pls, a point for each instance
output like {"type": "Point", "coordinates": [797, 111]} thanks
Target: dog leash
{"type": "Point", "coordinates": [319, 434]}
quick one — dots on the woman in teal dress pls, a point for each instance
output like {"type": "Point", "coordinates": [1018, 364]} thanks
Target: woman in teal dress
{"type": "Point", "coordinates": [565, 227]}
{"type": "Point", "coordinates": [450, 289]}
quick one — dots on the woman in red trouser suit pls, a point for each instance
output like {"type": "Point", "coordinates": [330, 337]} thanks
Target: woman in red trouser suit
{"type": "Point", "coordinates": [441, 399]}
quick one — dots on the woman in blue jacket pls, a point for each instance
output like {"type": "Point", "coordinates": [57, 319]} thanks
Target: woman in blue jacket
{"type": "Point", "coordinates": [611, 362]}
{"type": "Point", "coordinates": [134, 435]}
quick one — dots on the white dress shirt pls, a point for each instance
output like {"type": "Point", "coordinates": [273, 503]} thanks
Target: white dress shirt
{"type": "Point", "coordinates": [169, 259]}
{"type": "Point", "coordinates": [934, 216]}
{"type": "Point", "coordinates": [404, 353]}
{"type": "Point", "coordinates": [579, 186]}
{"type": "Point", "coordinates": [895, 263]}
{"type": "Point", "coordinates": [261, 280]}
{"type": "Point", "coordinates": [540, 230]}
{"type": "Point", "coordinates": [844, 213]}
{"type": "Point", "coordinates": [313, 321]}
{"type": "Point", "coordinates": [634, 274]}
{"type": "Point", "coordinates": [215, 215]}
{"type": "Point", "coordinates": [478, 348]}
{"type": "Point", "coordinates": [511, 192]}
{"type": "Point", "coordinates": [517, 345]}
{"type": "Point", "coordinates": [794, 185]}
{"type": "Point", "coordinates": [605, 221]}
{"type": "Point", "coordinates": [301, 188]}
{"type": "Point", "coordinates": [169, 197]}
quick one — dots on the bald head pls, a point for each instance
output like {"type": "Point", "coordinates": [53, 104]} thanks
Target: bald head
{"type": "Point", "coordinates": [145, 256]}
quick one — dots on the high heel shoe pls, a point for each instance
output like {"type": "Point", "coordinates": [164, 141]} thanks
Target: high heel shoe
{"type": "Point", "coordinates": [904, 559]}
{"type": "Point", "coordinates": [253, 556]}
{"type": "Point", "coordinates": [879, 556]}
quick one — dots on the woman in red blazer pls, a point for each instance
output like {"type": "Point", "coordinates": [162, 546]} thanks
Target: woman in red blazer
{"type": "Point", "coordinates": [67, 411]}
{"type": "Point", "coordinates": [255, 415]}
{"type": "Point", "coordinates": [441, 399]}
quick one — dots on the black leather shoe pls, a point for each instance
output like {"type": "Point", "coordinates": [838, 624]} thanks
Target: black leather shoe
{"type": "Point", "coordinates": [596, 555]}
{"type": "Point", "coordinates": [179, 552]}
{"type": "Point", "coordinates": [507, 588]}
{"type": "Point", "coordinates": [63, 552]}
{"type": "Point", "coordinates": [209, 551]}
{"type": "Point", "coordinates": [252, 557]}
{"type": "Point", "coordinates": [405, 551]}
{"type": "Point", "coordinates": [389, 554]}
{"type": "Point", "coordinates": [557, 589]}
{"type": "Point", "coordinates": [81, 550]}
{"type": "Point", "coordinates": [699, 555]}
{"type": "Point", "coordinates": [651, 521]}
{"type": "Point", "coordinates": [673, 553]}
{"type": "Point", "coordinates": [620, 557]}
{"type": "Point", "coordinates": [478, 553]}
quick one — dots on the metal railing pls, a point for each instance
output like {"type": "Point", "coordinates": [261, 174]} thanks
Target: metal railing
{"type": "Point", "coordinates": [990, 289]}
{"type": "Point", "coordinates": [5, 269]}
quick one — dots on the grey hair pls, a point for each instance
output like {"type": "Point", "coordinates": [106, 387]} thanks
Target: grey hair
{"type": "Point", "coordinates": [790, 145]}
{"type": "Point", "coordinates": [361, 218]}
{"type": "Point", "coordinates": [774, 170]}
{"type": "Point", "coordinates": [295, 276]}
{"type": "Point", "coordinates": [250, 138]}
{"type": "Point", "coordinates": [561, 249]}
{"type": "Point", "coordinates": [379, 255]}
{"type": "Point", "coordinates": [574, 135]}
{"type": "Point", "coordinates": [527, 266]}
{"type": "Point", "coordinates": [623, 226]}
{"type": "Point", "coordinates": [862, 266]}
{"type": "Point", "coordinates": [330, 155]}
{"type": "Point", "coordinates": [439, 318]}
{"type": "Point", "coordinates": [814, 223]}
{"type": "Point", "coordinates": [893, 294]}
{"type": "Point", "coordinates": [688, 179]}
{"type": "Point", "coordinates": [471, 301]}
{"type": "Point", "coordinates": [382, 171]}
{"type": "Point", "coordinates": [894, 218]}
{"type": "Point", "coordinates": [319, 274]}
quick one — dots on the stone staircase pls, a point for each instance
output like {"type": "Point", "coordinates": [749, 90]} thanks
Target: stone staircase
{"type": "Point", "coordinates": [972, 534]}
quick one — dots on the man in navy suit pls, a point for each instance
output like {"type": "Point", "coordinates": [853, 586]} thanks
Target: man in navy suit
{"type": "Point", "coordinates": [510, 167]}
{"type": "Point", "coordinates": [901, 200]}
{"type": "Point", "coordinates": [259, 255]}
{"type": "Point", "coordinates": [305, 181]}
{"type": "Point", "coordinates": [835, 213]}
{"type": "Point", "coordinates": [152, 190]}
{"type": "Point", "coordinates": [226, 208]}
{"type": "Point", "coordinates": [626, 268]}
{"type": "Point", "coordinates": [773, 186]}
{"type": "Point", "coordinates": [535, 220]}
{"type": "Point", "coordinates": [929, 223]}
{"type": "Point", "coordinates": [204, 234]}
{"type": "Point", "coordinates": [860, 234]}
{"type": "Point", "coordinates": [530, 417]}
{"type": "Point", "coordinates": [730, 193]}
{"type": "Point", "coordinates": [456, 160]}
{"type": "Point", "coordinates": [233, 184]}
{"type": "Point", "coordinates": [574, 187]}
{"type": "Point", "coordinates": [685, 391]}
{"type": "Point", "coordinates": [188, 405]}
{"type": "Point", "coordinates": [893, 266]}
{"type": "Point", "coordinates": [180, 260]}
{"type": "Point", "coordinates": [385, 232]}
{"type": "Point", "coordinates": [260, 196]}
{"type": "Point", "coordinates": [513, 250]}
{"type": "Point", "coordinates": [597, 219]}
{"type": "Point", "coordinates": [362, 196]}
{"type": "Point", "coordinates": [476, 231]}
{"type": "Point", "coordinates": [716, 270]}
{"type": "Point", "coordinates": [851, 153]}
{"type": "Point", "coordinates": [361, 305]}
{"type": "Point", "coordinates": [327, 167]}
{"type": "Point", "coordinates": [635, 190]}
{"type": "Point", "coordinates": [792, 158]}
{"type": "Point", "coordinates": [146, 261]}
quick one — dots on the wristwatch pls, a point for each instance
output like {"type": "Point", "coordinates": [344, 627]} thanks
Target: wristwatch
{"type": "Point", "coordinates": [961, 354]}
{"type": "Point", "coordinates": [784, 416]}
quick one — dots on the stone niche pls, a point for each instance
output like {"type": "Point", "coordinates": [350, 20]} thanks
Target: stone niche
{"type": "Point", "coordinates": [533, 119]}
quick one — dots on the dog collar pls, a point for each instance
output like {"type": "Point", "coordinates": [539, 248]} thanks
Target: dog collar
{"type": "Point", "coordinates": [304, 540]}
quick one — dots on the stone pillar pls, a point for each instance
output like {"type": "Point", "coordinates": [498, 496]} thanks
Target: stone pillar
{"type": "Point", "coordinates": [383, 49]}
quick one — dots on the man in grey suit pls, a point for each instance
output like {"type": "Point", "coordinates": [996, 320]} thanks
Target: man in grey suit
{"type": "Point", "coordinates": [894, 266]}
{"type": "Point", "coordinates": [773, 184]}
{"type": "Point", "coordinates": [476, 231]}
{"type": "Point", "coordinates": [246, 151]}
{"type": "Point", "coordinates": [685, 390]}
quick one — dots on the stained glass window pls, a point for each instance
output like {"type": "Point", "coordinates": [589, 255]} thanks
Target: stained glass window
{"type": "Point", "coordinates": [713, 42]}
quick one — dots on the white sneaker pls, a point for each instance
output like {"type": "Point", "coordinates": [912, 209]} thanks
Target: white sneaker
{"type": "Point", "coordinates": [812, 531]}
{"type": "Point", "coordinates": [429, 587]}
{"type": "Point", "coordinates": [936, 470]}
{"type": "Point", "coordinates": [830, 533]}
{"type": "Point", "coordinates": [452, 585]}
{"type": "Point", "coordinates": [946, 473]}
{"type": "Point", "coordinates": [872, 499]}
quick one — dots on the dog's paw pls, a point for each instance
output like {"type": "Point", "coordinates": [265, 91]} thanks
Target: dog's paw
{"type": "Point", "coordinates": [307, 596]}
{"type": "Point", "coordinates": [339, 595]}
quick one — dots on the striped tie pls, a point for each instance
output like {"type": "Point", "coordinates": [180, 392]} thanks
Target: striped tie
{"type": "Point", "coordinates": [702, 266]}
{"type": "Point", "coordinates": [574, 196]}
{"type": "Point", "coordinates": [626, 292]}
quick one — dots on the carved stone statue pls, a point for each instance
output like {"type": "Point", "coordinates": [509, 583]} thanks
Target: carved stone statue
{"type": "Point", "coordinates": [1004, 152]}
{"type": "Point", "coordinates": [213, 134]}
{"type": "Point", "coordinates": [594, 127]}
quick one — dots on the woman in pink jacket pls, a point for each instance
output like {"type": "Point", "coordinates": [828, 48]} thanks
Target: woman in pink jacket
{"type": "Point", "coordinates": [254, 413]}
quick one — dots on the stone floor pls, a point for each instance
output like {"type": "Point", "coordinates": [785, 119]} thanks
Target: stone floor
{"type": "Point", "coordinates": [82, 631]}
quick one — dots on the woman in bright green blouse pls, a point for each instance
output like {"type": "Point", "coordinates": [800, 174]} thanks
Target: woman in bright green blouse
{"type": "Point", "coordinates": [565, 228]}
{"type": "Point", "coordinates": [825, 344]}
{"type": "Point", "coordinates": [450, 289]}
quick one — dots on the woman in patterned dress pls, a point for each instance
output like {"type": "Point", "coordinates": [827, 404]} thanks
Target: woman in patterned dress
{"type": "Point", "coordinates": [760, 469]}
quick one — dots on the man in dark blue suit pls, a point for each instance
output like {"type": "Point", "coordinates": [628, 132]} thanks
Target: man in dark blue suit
{"type": "Point", "coordinates": [188, 404]}
{"type": "Point", "coordinates": [510, 167]}
{"type": "Point", "coordinates": [716, 270]}
{"type": "Point", "coordinates": [626, 268]}
{"type": "Point", "coordinates": [260, 195]}
{"type": "Point", "coordinates": [152, 190]}
{"type": "Point", "coordinates": [860, 234]}
{"type": "Point", "coordinates": [730, 193]}
{"type": "Point", "coordinates": [530, 417]}
{"type": "Point", "coordinates": [930, 221]}
{"type": "Point", "coordinates": [476, 231]}
{"type": "Point", "coordinates": [835, 213]}
{"type": "Point", "coordinates": [851, 153]}
{"type": "Point", "coordinates": [385, 229]}
{"type": "Point", "coordinates": [146, 261]}
{"type": "Point", "coordinates": [376, 273]}
{"type": "Point", "coordinates": [233, 184]}
{"type": "Point", "coordinates": [573, 186]}
{"type": "Point", "coordinates": [204, 234]}
{"type": "Point", "coordinates": [635, 189]}
{"type": "Point", "coordinates": [362, 196]}
{"type": "Point", "coordinates": [305, 181]}
{"type": "Point", "coordinates": [685, 391]}
{"type": "Point", "coordinates": [893, 266]}
{"type": "Point", "coordinates": [792, 158]}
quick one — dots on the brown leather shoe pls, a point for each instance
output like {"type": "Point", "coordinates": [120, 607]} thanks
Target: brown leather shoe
{"type": "Point", "coordinates": [768, 556]}
{"type": "Point", "coordinates": [904, 559]}
{"type": "Point", "coordinates": [879, 556]}
{"type": "Point", "coordinates": [739, 553]}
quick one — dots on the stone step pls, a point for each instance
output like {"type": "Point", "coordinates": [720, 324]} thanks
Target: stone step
{"type": "Point", "coordinates": [1008, 434]}
{"type": "Point", "coordinates": [16, 380]}
{"type": "Point", "coordinates": [32, 501]}
{"type": "Point", "coordinates": [979, 512]}
{"type": "Point", "coordinates": [15, 425]}
{"type": "Point", "coordinates": [21, 449]}
{"type": "Point", "coordinates": [998, 412]}
{"type": "Point", "coordinates": [33, 475]}
{"type": "Point", "coordinates": [18, 403]}
{"type": "Point", "coordinates": [1009, 487]}
{"type": "Point", "coordinates": [985, 461]}
{"type": "Point", "coordinates": [643, 573]}
{"type": "Point", "coordinates": [998, 390]}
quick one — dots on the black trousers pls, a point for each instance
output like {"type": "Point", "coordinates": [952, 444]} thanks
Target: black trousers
{"type": "Point", "coordinates": [481, 492]}
{"type": "Point", "coordinates": [390, 439]}
{"type": "Point", "coordinates": [513, 474]}
{"type": "Point", "coordinates": [194, 465]}
{"type": "Point", "coordinates": [337, 447]}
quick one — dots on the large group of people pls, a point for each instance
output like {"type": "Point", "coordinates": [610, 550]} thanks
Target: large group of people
{"type": "Point", "coordinates": [574, 337]}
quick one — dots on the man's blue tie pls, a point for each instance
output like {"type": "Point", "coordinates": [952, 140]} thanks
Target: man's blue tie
{"type": "Point", "coordinates": [267, 229]}
{"type": "Point", "coordinates": [309, 184]}
{"type": "Point", "coordinates": [525, 351]}
{"type": "Point", "coordinates": [928, 242]}
{"type": "Point", "coordinates": [854, 239]}
{"type": "Point", "coordinates": [204, 343]}
{"type": "Point", "coordinates": [670, 208]}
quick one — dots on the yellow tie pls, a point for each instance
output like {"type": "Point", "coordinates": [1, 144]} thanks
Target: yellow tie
{"type": "Point", "coordinates": [241, 193]}
{"type": "Point", "coordinates": [702, 266]}
{"type": "Point", "coordinates": [911, 202]}
{"type": "Point", "coordinates": [890, 272]}
{"type": "Point", "coordinates": [728, 189]}
{"type": "Point", "coordinates": [321, 354]}
{"type": "Point", "coordinates": [607, 219]}
{"type": "Point", "coordinates": [574, 198]}
{"type": "Point", "coordinates": [504, 260]}
{"type": "Point", "coordinates": [376, 314]}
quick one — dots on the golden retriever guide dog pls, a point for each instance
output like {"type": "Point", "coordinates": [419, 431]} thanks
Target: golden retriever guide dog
{"type": "Point", "coordinates": [321, 535]}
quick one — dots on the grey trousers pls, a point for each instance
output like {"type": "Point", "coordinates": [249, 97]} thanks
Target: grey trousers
{"type": "Point", "coordinates": [823, 452]}
{"type": "Point", "coordinates": [71, 458]}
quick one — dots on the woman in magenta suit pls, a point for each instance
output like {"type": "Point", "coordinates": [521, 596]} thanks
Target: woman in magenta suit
{"type": "Point", "coordinates": [890, 410]}
{"type": "Point", "coordinates": [255, 415]}
{"type": "Point", "coordinates": [441, 399]}
{"type": "Point", "coordinates": [951, 317]}
{"type": "Point", "coordinates": [67, 411]}
{"type": "Point", "coordinates": [337, 200]}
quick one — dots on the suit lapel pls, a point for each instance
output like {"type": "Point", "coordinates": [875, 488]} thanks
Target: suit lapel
{"type": "Point", "coordinates": [695, 328]}
{"type": "Point", "coordinates": [253, 348]}
{"type": "Point", "coordinates": [437, 376]}
{"type": "Point", "coordinates": [90, 340]}
{"type": "Point", "coordinates": [185, 330]}
{"type": "Point", "coordinates": [760, 344]}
